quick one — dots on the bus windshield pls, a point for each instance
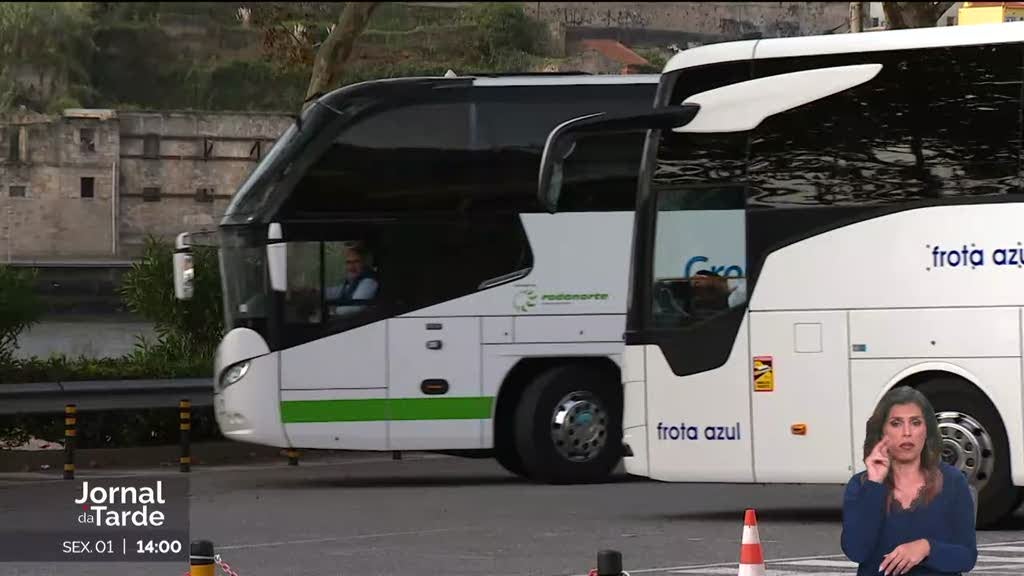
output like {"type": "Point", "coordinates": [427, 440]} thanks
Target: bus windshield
{"type": "Point", "coordinates": [257, 188]}
{"type": "Point", "coordinates": [244, 275]}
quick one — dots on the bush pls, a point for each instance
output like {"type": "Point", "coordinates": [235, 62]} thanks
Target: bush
{"type": "Point", "coordinates": [188, 333]}
{"type": "Point", "coordinates": [255, 85]}
{"type": "Point", "coordinates": [19, 309]}
{"type": "Point", "coordinates": [111, 429]}
{"type": "Point", "coordinates": [500, 29]}
{"type": "Point", "coordinates": [186, 330]}
{"type": "Point", "coordinates": [148, 361]}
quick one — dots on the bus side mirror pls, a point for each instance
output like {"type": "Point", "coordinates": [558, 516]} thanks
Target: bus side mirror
{"type": "Point", "coordinates": [563, 139]}
{"type": "Point", "coordinates": [277, 259]}
{"type": "Point", "coordinates": [184, 268]}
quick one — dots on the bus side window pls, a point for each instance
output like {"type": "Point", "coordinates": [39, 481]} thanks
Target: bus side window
{"type": "Point", "coordinates": [700, 257]}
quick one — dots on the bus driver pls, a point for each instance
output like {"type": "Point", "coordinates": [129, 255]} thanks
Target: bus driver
{"type": "Point", "coordinates": [359, 283]}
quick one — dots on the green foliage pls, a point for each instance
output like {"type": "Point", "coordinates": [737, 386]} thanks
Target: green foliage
{"type": "Point", "coordinates": [392, 16]}
{"type": "Point", "coordinates": [126, 11]}
{"type": "Point", "coordinates": [502, 33]}
{"type": "Point", "coordinates": [140, 63]}
{"type": "Point", "coordinates": [19, 309]}
{"type": "Point", "coordinates": [255, 85]}
{"type": "Point", "coordinates": [146, 362]}
{"type": "Point", "coordinates": [53, 40]}
{"type": "Point", "coordinates": [185, 329]}
{"type": "Point", "coordinates": [111, 429]}
{"type": "Point", "coordinates": [139, 66]}
{"type": "Point", "coordinates": [656, 56]}
{"type": "Point", "coordinates": [44, 32]}
{"type": "Point", "coordinates": [137, 55]}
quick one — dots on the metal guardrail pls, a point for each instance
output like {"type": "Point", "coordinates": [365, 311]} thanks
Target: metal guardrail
{"type": "Point", "coordinates": [42, 397]}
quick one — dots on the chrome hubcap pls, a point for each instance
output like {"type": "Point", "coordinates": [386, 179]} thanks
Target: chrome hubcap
{"type": "Point", "coordinates": [579, 427]}
{"type": "Point", "coordinates": [967, 446]}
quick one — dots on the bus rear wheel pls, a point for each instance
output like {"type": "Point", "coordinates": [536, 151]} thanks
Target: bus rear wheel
{"type": "Point", "coordinates": [509, 459]}
{"type": "Point", "coordinates": [974, 442]}
{"type": "Point", "coordinates": [569, 425]}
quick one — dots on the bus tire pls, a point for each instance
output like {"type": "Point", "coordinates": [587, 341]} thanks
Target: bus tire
{"type": "Point", "coordinates": [508, 457]}
{"type": "Point", "coordinates": [569, 425]}
{"type": "Point", "coordinates": [974, 437]}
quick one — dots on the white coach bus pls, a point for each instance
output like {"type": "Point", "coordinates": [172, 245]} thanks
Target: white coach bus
{"type": "Point", "coordinates": [392, 283]}
{"type": "Point", "coordinates": [821, 219]}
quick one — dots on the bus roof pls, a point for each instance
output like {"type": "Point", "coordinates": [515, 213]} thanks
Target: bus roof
{"type": "Point", "coordinates": [844, 43]}
{"type": "Point", "coordinates": [383, 87]}
{"type": "Point", "coordinates": [568, 80]}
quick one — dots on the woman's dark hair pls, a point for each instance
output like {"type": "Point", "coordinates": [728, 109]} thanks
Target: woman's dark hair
{"type": "Point", "coordinates": [931, 453]}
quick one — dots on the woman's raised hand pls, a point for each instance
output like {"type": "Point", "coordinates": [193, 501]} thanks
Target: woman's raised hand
{"type": "Point", "coordinates": [878, 461]}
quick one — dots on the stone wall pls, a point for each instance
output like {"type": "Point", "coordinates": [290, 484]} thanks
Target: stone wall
{"type": "Point", "coordinates": [57, 186]}
{"type": "Point", "coordinates": [729, 19]}
{"type": "Point", "coordinates": [151, 173]}
{"type": "Point", "coordinates": [195, 163]}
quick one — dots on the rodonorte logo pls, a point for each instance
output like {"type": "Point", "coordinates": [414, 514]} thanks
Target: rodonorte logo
{"type": "Point", "coordinates": [525, 300]}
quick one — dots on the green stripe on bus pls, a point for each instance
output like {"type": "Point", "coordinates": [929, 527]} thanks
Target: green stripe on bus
{"type": "Point", "coordinates": [383, 409]}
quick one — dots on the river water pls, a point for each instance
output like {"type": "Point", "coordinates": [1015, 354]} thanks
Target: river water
{"type": "Point", "coordinates": [94, 339]}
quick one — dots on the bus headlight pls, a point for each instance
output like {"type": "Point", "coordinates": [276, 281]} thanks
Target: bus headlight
{"type": "Point", "coordinates": [234, 374]}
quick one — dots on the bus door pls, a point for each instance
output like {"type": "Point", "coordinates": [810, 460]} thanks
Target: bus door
{"type": "Point", "coordinates": [334, 367]}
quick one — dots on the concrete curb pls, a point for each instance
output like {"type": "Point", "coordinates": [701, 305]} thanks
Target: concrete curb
{"type": "Point", "coordinates": [203, 454]}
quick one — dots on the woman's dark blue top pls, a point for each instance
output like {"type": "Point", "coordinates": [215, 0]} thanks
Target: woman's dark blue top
{"type": "Point", "coordinates": [947, 522]}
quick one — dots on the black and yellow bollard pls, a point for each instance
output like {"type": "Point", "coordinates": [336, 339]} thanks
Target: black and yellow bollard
{"type": "Point", "coordinates": [70, 432]}
{"type": "Point", "coordinates": [293, 457]}
{"type": "Point", "coordinates": [201, 559]}
{"type": "Point", "coordinates": [185, 425]}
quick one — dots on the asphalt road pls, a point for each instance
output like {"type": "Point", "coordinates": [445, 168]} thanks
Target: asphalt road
{"type": "Point", "coordinates": [428, 514]}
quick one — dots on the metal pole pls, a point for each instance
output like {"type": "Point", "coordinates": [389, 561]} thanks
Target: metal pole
{"type": "Point", "coordinates": [201, 559]}
{"type": "Point", "coordinates": [113, 209]}
{"type": "Point", "coordinates": [185, 425]}
{"type": "Point", "coordinates": [609, 563]}
{"type": "Point", "coordinates": [70, 425]}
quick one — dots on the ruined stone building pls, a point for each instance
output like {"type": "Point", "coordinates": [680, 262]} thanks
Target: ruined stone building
{"type": "Point", "coordinates": [91, 184]}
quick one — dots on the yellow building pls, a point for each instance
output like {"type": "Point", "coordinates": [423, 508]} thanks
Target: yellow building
{"type": "Point", "coordinates": [990, 12]}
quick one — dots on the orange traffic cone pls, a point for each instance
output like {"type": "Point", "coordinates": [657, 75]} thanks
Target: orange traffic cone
{"type": "Point", "coordinates": [751, 555]}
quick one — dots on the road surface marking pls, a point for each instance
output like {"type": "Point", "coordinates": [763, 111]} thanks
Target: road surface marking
{"type": "Point", "coordinates": [340, 538]}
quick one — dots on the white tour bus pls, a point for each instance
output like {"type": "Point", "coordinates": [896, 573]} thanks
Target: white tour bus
{"type": "Point", "coordinates": [391, 281]}
{"type": "Point", "coordinates": [819, 220]}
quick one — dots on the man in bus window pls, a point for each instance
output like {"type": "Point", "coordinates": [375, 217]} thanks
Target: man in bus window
{"type": "Point", "coordinates": [359, 283]}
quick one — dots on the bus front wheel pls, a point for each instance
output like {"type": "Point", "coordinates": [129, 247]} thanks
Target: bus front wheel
{"type": "Point", "coordinates": [569, 425]}
{"type": "Point", "coordinates": [974, 441]}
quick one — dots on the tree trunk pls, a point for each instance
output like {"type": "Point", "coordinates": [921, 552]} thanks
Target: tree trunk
{"type": "Point", "coordinates": [336, 49]}
{"type": "Point", "coordinates": [900, 15]}
{"type": "Point", "coordinates": [856, 16]}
